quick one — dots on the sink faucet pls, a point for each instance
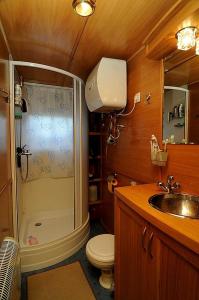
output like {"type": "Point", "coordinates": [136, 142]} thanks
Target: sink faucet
{"type": "Point", "coordinates": [169, 187]}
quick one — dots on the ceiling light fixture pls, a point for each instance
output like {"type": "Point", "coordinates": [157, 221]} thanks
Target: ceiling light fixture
{"type": "Point", "coordinates": [186, 38]}
{"type": "Point", "coordinates": [84, 8]}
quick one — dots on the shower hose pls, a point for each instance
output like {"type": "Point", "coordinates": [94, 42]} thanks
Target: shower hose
{"type": "Point", "coordinates": [27, 169]}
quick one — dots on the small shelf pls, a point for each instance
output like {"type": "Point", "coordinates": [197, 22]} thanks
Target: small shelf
{"type": "Point", "coordinates": [95, 180]}
{"type": "Point", "coordinates": [94, 202]}
{"type": "Point", "coordinates": [94, 133]}
{"type": "Point", "coordinates": [95, 157]}
{"type": "Point", "coordinates": [178, 125]}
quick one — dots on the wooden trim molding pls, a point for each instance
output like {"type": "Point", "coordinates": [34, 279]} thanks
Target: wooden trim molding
{"type": "Point", "coordinates": [5, 186]}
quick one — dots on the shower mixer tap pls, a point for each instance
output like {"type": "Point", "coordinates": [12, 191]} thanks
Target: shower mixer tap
{"type": "Point", "coordinates": [22, 151]}
{"type": "Point", "coordinates": [25, 151]}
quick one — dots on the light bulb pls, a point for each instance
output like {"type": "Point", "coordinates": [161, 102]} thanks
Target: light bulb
{"type": "Point", "coordinates": [186, 38]}
{"type": "Point", "coordinates": [84, 8]}
{"type": "Point", "coordinates": [197, 46]}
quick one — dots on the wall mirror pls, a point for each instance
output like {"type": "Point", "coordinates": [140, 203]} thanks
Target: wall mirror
{"type": "Point", "coordinates": [181, 98]}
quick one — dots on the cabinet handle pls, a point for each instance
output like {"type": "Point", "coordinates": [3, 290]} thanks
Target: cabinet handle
{"type": "Point", "coordinates": [143, 238]}
{"type": "Point", "coordinates": [150, 245]}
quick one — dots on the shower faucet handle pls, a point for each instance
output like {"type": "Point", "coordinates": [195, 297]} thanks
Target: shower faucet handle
{"type": "Point", "coordinates": [25, 151]}
{"type": "Point", "coordinates": [24, 146]}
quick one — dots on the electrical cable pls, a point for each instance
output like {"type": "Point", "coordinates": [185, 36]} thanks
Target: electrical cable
{"type": "Point", "coordinates": [126, 114]}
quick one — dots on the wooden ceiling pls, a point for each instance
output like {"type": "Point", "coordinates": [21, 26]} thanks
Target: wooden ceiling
{"type": "Point", "coordinates": [49, 32]}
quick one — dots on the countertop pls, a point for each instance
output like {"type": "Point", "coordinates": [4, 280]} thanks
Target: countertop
{"type": "Point", "coordinates": [183, 230]}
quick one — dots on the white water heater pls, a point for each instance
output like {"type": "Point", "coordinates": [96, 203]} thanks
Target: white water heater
{"type": "Point", "coordinates": [106, 86]}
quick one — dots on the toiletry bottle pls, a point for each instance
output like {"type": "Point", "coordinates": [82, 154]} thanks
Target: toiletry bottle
{"type": "Point", "coordinates": [181, 110]}
{"type": "Point", "coordinates": [175, 112]}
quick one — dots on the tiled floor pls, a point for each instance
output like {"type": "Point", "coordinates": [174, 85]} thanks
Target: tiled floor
{"type": "Point", "coordinates": [91, 272]}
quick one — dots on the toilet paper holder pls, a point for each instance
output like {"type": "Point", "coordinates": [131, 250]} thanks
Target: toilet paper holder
{"type": "Point", "coordinates": [112, 182]}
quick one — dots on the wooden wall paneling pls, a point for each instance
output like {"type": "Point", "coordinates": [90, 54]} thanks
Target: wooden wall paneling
{"type": "Point", "coordinates": [183, 163]}
{"type": "Point", "coordinates": [131, 156]}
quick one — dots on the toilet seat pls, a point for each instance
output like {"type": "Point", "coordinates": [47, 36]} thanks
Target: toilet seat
{"type": "Point", "coordinates": [101, 248]}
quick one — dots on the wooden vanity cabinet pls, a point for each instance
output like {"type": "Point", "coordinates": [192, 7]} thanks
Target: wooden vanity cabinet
{"type": "Point", "coordinates": [135, 271]}
{"type": "Point", "coordinates": [149, 265]}
{"type": "Point", "coordinates": [178, 270]}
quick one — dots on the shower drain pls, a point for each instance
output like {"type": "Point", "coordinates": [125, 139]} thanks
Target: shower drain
{"type": "Point", "coordinates": [38, 224]}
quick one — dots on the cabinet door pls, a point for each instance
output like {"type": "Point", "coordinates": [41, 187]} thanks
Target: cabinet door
{"type": "Point", "coordinates": [179, 277]}
{"type": "Point", "coordinates": [130, 255]}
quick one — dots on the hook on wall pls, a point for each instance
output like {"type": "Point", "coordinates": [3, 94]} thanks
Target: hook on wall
{"type": "Point", "coordinates": [148, 98]}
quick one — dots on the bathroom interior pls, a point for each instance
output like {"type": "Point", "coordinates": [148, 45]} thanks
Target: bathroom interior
{"type": "Point", "coordinates": [99, 150]}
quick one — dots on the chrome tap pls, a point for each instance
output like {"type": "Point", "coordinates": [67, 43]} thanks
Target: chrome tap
{"type": "Point", "coordinates": [169, 187]}
{"type": "Point", "coordinates": [25, 151]}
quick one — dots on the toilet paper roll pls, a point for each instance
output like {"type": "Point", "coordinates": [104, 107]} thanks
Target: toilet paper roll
{"type": "Point", "coordinates": [92, 193]}
{"type": "Point", "coordinates": [111, 185]}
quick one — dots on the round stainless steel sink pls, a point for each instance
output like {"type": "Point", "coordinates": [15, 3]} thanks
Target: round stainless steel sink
{"type": "Point", "coordinates": [181, 205]}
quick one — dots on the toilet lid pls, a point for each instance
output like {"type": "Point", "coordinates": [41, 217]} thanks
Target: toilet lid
{"type": "Point", "coordinates": [101, 247]}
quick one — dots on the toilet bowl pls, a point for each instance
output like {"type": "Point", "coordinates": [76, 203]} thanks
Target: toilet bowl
{"type": "Point", "coordinates": [100, 253]}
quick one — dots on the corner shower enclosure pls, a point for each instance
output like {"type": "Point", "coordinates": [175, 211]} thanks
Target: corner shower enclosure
{"type": "Point", "coordinates": [50, 180]}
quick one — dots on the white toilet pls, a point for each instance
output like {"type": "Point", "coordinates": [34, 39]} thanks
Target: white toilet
{"type": "Point", "coordinates": [100, 253]}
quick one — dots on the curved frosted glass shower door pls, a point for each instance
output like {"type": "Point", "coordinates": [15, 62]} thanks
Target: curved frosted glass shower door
{"type": "Point", "coordinates": [47, 130]}
{"type": "Point", "coordinates": [50, 194]}
{"type": "Point", "coordinates": [48, 174]}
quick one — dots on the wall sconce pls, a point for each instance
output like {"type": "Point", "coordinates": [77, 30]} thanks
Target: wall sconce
{"type": "Point", "coordinates": [84, 8]}
{"type": "Point", "coordinates": [197, 46]}
{"type": "Point", "coordinates": [186, 38]}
